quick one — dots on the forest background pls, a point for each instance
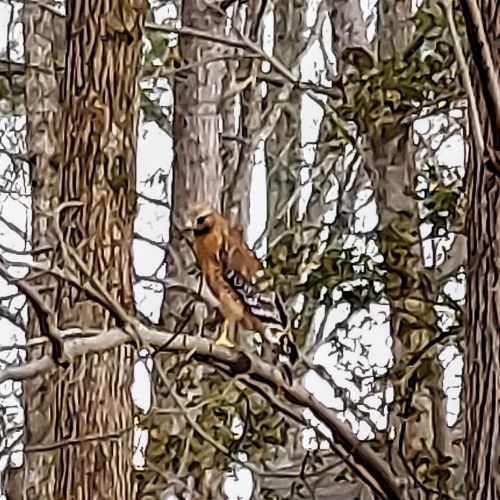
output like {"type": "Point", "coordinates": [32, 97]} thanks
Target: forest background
{"type": "Point", "coordinates": [355, 142]}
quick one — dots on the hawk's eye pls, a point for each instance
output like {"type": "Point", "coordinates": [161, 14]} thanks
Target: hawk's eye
{"type": "Point", "coordinates": [201, 220]}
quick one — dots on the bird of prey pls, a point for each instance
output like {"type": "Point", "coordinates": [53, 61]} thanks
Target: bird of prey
{"type": "Point", "coordinates": [234, 276]}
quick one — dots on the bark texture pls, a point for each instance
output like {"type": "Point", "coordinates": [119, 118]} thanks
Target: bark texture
{"type": "Point", "coordinates": [418, 398]}
{"type": "Point", "coordinates": [482, 359]}
{"type": "Point", "coordinates": [197, 178]}
{"type": "Point", "coordinates": [79, 423]}
{"type": "Point", "coordinates": [197, 163]}
{"type": "Point", "coordinates": [44, 52]}
{"type": "Point", "coordinates": [197, 166]}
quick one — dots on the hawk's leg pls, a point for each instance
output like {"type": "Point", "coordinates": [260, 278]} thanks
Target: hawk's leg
{"type": "Point", "coordinates": [226, 336]}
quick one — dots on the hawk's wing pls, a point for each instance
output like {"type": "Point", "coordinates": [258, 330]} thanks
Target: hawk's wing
{"type": "Point", "coordinates": [265, 305]}
{"type": "Point", "coordinates": [242, 271]}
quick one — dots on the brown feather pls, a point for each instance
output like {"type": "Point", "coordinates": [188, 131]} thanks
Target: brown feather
{"type": "Point", "coordinates": [232, 272]}
{"type": "Point", "coordinates": [239, 257]}
{"type": "Point", "coordinates": [209, 238]}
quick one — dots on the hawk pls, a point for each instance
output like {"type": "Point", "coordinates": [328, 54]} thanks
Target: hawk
{"type": "Point", "coordinates": [234, 276]}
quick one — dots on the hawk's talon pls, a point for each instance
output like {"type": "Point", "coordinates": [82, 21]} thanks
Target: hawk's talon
{"type": "Point", "coordinates": [223, 341]}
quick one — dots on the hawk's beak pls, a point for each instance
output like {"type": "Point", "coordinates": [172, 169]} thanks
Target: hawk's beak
{"type": "Point", "coordinates": [188, 226]}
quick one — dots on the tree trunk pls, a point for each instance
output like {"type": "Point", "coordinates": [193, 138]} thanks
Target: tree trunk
{"type": "Point", "coordinates": [197, 178]}
{"type": "Point", "coordinates": [197, 165]}
{"type": "Point", "coordinates": [417, 412]}
{"type": "Point", "coordinates": [79, 424]}
{"type": "Point", "coordinates": [482, 357]}
{"type": "Point", "coordinates": [284, 156]}
{"type": "Point", "coordinates": [44, 51]}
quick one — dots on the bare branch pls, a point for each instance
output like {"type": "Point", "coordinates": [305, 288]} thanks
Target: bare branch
{"type": "Point", "coordinates": [256, 374]}
{"type": "Point", "coordinates": [14, 318]}
{"type": "Point", "coordinates": [466, 79]}
{"type": "Point", "coordinates": [481, 52]}
{"type": "Point", "coordinates": [44, 314]}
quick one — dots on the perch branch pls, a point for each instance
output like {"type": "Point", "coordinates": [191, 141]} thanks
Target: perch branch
{"type": "Point", "coordinates": [268, 378]}
{"type": "Point", "coordinates": [257, 374]}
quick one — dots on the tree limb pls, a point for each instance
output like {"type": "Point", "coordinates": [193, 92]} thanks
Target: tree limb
{"type": "Point", "coordinates": [481, 48]}
{"type": "Point", "coordinates": [258, 373]}
{"type": "Point", "coordinates": [262, 377]}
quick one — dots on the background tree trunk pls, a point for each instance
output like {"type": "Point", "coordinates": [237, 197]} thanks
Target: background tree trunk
{"type": "Point", "coordinates": [79, 426]}
{"type": "Point", "coordinates": [418, 397]}
{"type": "Point", "coordinates": [198, 177]}
{"type": "Point", "coordinates": [284, 156]}
{"type": "Point", "coordinates": [44, 51]}
{"type": "Point", "coordinates": [197, 164]}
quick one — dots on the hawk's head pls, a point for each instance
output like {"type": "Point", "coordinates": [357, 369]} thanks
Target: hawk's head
{"type": "Point", "coordinates": [201, 219]}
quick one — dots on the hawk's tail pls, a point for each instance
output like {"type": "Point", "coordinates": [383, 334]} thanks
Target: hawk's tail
{"type": "Point", "coordinates": [287, 356]}
{"type": "Point", "coordinates": [281, 350]}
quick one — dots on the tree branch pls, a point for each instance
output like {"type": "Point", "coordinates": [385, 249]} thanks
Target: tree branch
{"type": "Point", "coordinates": [257, 373]}
{"type": "Point", "coordinates": [466, 78]}
{"type": "Point", "coordinates": [262, 377]}
{"type": "Point", "coordinates": [487, 69]}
